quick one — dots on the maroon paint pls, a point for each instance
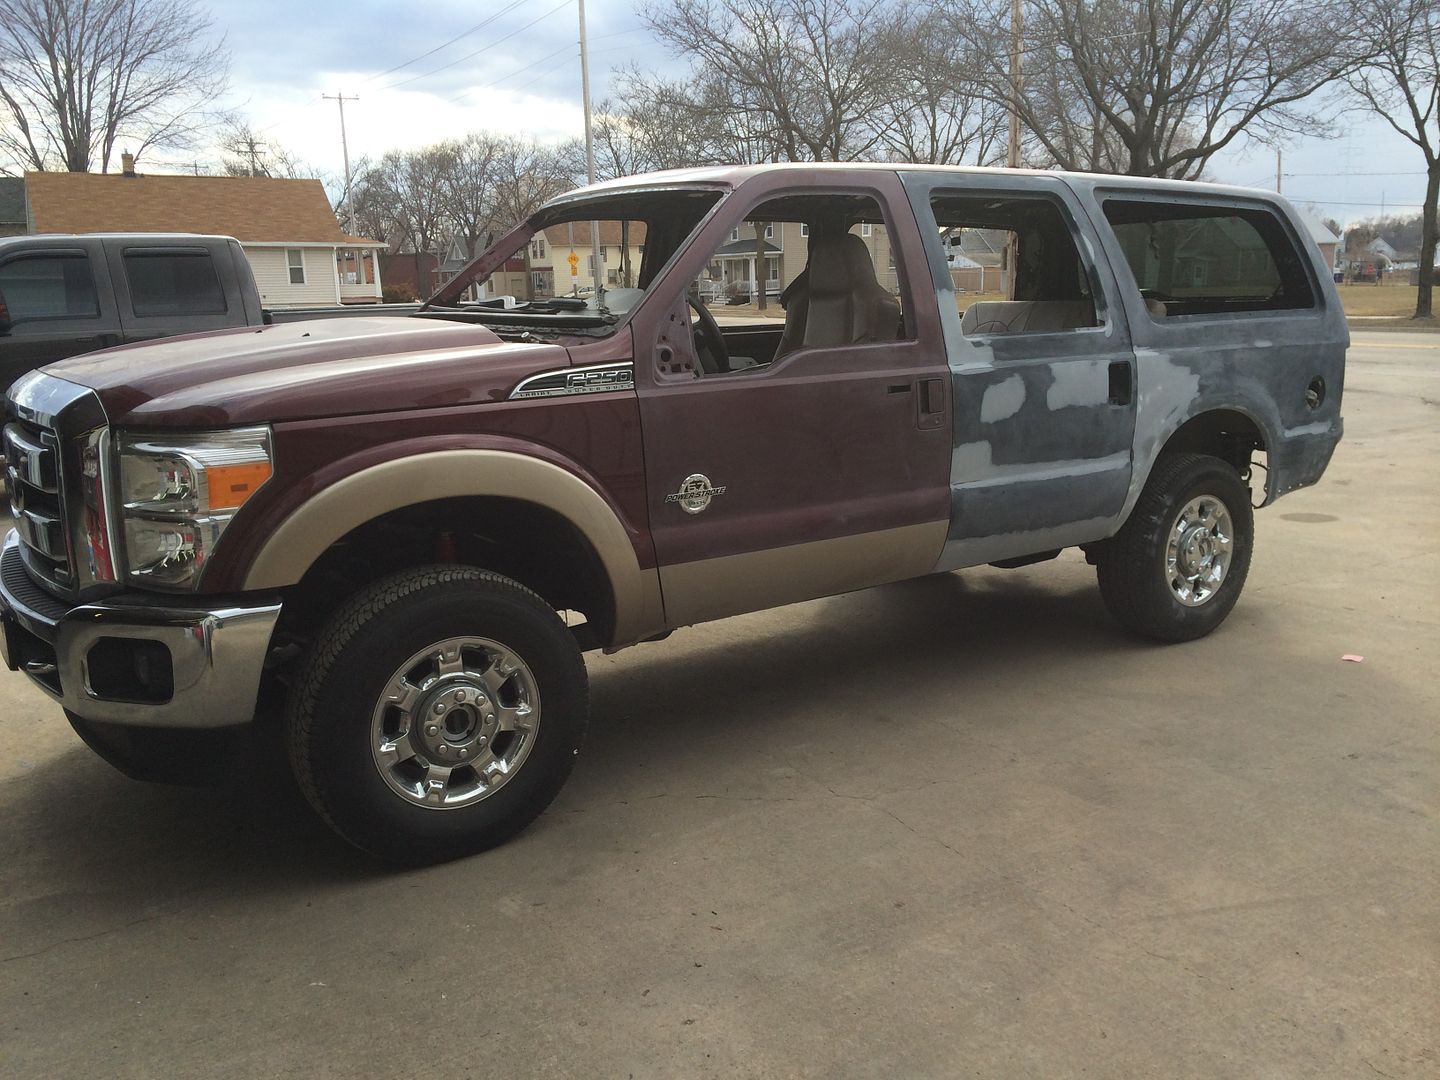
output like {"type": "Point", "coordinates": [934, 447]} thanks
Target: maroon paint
{"type": "Point", "coordinates": [328, 367]}
{"type": "Point", "coordinates": [595, 437]}
{"type": "Point", "coordinates": [817, 446]}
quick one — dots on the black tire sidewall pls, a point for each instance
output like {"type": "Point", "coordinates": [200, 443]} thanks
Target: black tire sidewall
{"type": "Point", "coordinates": [356, 798]}
{"type": "Point", "coordinates": [1139, 593]}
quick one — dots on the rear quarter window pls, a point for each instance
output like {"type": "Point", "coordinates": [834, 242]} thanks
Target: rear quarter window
{"type": "Point", "coordinates": [173, 283]}
{"type": "Point", "coordinates": [1193, 259]}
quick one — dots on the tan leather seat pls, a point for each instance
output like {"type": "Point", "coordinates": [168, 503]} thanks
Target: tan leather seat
{"type": "Point", "coordinates": [837, 299]}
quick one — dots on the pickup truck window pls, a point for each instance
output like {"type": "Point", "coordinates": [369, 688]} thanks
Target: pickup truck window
{"type": "Point", "coordinates": [173, 283]}
{"type": "Point", "coordinates": [1194, 259]}
{"type": "Point", "coordinates": [49, 285]}
{"type": "Point", "coordinates": [1049, 289]}
{"type": "Point", "coordinates": [824, 264]}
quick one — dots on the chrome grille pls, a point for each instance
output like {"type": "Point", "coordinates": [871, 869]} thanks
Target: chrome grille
{"type": "Point", "coordinates": [33, 476]}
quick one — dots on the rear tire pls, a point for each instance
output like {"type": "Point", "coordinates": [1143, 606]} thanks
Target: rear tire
{"type": "Point", "coordinates": [1177, 567]}
{"type": "Point", "coordinates": [438, 714]}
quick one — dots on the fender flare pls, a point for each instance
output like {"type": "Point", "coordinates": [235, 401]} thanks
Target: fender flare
{"type": "Point", "coordinates": [350, 502]}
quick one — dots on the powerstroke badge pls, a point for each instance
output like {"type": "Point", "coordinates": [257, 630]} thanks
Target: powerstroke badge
{"type": "Point", "coordinates": [695, 493]}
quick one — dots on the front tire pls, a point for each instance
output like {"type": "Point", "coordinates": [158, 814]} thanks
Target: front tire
{"type": "Point", "coordinates": [1177, 567]}
{"type": "Point", "coordinates": [438, 714]}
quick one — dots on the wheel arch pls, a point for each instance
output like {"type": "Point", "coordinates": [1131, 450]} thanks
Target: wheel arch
{"type": "Point", "coordinates": [1228, 428]}
{"type": "Point", "coordinates": [469, 478]}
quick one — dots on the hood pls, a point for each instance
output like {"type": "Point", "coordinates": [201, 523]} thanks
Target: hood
{"type": "Point", "coordinates": [305, 370]}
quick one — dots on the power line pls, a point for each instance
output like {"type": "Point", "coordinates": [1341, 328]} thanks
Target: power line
{"type": "Point", "coordinates": [466, 33]}
{"type": "Point", "coordinates": [477, 52]}
{"type": "Point", "coordinates": [548, 56]}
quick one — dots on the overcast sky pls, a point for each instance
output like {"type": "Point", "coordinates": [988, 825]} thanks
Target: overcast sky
{"type": "Point", "coordinates": [520, 74]}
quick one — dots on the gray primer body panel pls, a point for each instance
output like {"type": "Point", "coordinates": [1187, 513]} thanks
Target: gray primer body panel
{"type": "Point", "coordinates": [1041, 458]}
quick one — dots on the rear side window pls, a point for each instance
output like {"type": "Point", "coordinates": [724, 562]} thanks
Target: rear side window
{"type": "Point", "coordinates": [1190, 259]}
{"type": "Point", "coordinates": [57, 286]}
{"type": "Point", "coordinates": [173, 283]}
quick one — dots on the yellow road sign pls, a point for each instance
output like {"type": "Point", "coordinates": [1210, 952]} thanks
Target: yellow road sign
{"type": "Point", "coordinates": [574, 261]}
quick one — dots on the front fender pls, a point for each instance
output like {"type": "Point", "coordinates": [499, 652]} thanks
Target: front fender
{"type": "Point", "coordinates": [361, 496]}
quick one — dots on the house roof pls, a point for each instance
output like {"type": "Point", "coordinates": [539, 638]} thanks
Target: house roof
{"type": "Point", "coordinates": [1319, 231]}
{"type": "Point", "coordinates": [257, 209]}
{"type": "Point", "coordinates": [12, 200]}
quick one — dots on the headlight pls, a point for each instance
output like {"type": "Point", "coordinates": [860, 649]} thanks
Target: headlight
{"type": "Point", "coordinates": [179, 493]}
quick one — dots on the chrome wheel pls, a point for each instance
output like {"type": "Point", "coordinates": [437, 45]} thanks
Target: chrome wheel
{"type": "Point", "coordinates": [456, 721]}
{"type": "Point", "coordinates": [1199, 550]}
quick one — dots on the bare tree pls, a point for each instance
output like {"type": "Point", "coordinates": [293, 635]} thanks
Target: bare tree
{"type": "Point", "coordinates": [527, 175]}
{"type": "Point", "coordinates": [78, 76]}
{"type": "Point", "coordinates": [467, 181]}
{"type": "Point", "coordinates": [1157, 87]}
{"type": "Point", "coordinates": [933, 113]}
{"type": "Point", "coordinates": [248, 153]}
{"type": "Point", "coordinates": [805, 76]}
{"type": "Point", "coordinates": [400, 192]}
{"type": "Point", "coordinates": [1399, 80]}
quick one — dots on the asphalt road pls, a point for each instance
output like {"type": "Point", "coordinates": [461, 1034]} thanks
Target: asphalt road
{"type": "Point", "coordinates": [955, 827]}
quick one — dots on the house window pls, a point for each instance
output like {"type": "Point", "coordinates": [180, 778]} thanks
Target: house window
{"type": "Point", "coordinates": [295, 261]}
{"type": "Point", "coordinates": [865, 228]}
{"type": "Point", "coordinates": [735, 233]}
{"type": "Point", "coordinates": [602, 255]}
{"type": "Point", "coordinates": [804, 229]}
{"type": "Point", "coordinates": [590, 263]}
{"type": "Point", "coordinates": [540, 248]}
{"type": "Point", "coordinates": [770, 232]}
{"type": "Point", "coordinates": [772, 269]}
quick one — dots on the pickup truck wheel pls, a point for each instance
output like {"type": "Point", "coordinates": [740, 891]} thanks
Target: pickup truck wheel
{"type": "Point", "coordinates": [438, 714]}
{"type": "Point", "coordinates": [1176, 568]}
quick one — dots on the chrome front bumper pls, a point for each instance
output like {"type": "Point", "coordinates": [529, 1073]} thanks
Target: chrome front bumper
{"type": "Point", "coordinates": [192, 667]}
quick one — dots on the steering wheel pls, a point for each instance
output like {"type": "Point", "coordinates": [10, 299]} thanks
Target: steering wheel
{"type": "Point", "coordinates": [709, 342]}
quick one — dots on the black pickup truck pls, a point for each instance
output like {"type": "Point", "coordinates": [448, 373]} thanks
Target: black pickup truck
{"type": "Point", "coordinates": [65, 295]}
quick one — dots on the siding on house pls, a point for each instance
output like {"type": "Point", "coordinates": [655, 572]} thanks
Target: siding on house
{"type": "Point", "coordinates": [272, 276]}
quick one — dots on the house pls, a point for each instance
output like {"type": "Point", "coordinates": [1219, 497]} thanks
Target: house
{"type": "Point", "coordinates": [12, 206]}
{"type": "Point", "coordinates": [299, 253]}
{"type": "Point", "coordinates": [1324, 237]}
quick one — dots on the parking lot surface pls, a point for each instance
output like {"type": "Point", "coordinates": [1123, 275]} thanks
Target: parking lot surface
{"type": "Point", "coordinates": [960, 826]}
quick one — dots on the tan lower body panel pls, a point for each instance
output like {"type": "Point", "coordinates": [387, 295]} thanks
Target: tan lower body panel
{"type": "Point", "coordinates": [734, 584]}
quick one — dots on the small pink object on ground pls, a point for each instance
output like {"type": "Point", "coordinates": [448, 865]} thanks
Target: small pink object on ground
{"type": "Point", "coordinates": [1352, 658]}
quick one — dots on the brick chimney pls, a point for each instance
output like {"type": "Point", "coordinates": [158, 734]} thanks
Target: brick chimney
{"type": "Point", "coordinates": [127, 163]}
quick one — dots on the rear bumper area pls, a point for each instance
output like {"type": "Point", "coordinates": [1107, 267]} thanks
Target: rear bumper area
{"type": "Point", "coordinates": [1301, 457]}
{"type": "Point", "coordinates": [136, 660]}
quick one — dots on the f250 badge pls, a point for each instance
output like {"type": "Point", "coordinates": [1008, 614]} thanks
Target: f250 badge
{"type": "Point", "coordinates": [695, 493]}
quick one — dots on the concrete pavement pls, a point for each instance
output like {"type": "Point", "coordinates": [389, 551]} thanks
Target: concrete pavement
{"type": "Point", "coordinates": [955, 827]}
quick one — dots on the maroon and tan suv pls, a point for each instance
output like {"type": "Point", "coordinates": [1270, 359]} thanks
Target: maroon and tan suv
{"type": "Point", "coordinates": [378, 523]}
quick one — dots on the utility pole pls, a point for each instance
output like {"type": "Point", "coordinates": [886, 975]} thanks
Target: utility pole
{"type": "Point", "coordinates": [1278, 174]}
{"type": "Point", "coordinates": [339, 98]}
{"type": "Point", "coordinates": [590, 158]}
{"type": "Point", "coordinates": [1012, 155]}
{"type": "Point", "coordinates": [1017, 83]}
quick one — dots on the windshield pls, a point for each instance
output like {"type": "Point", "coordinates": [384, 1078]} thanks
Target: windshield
{"type": "Point", "coordinates": [577, 266]}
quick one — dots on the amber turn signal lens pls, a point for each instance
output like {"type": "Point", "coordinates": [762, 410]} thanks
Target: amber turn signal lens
{"type": "Point", "coordinates": [231, 485]}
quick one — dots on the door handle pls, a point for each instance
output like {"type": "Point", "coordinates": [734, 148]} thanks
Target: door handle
{"type": "Point", "coordinates": [932, 403]}
{"type": "Point", "coordinates": [1122, 382]}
